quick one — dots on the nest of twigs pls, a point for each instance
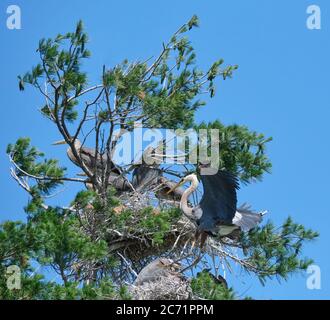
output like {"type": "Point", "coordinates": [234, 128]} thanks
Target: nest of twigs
{"type": "Point", "coordinates": [134, 244]}
{"type": "Point", "coordinates": [165, 288]}
{"type": "Point", "coordinates": [141, 246]}
{"type": "Point", "coordinates": [136, 241]}
{"type": "Point", "coordinates": [139, 250]}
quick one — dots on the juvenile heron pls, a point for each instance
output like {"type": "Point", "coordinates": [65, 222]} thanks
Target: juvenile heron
{"type": "Point", "coordinates": [156, 269]}
{"type": "Point", "coordinates": [217, 212]}
{"type": "Point", "coordinates": [148, 175]}
{"type": "Point", "coordinates": [150, 178]}
{"type": "Point", "coordinates": [87, 156]}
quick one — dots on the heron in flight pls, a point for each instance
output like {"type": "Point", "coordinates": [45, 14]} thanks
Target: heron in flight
{"type": "Point", "coordinates": [217, 212]}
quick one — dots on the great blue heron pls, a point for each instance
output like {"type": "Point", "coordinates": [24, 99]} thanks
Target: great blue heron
{"type": "Point", "coordinates": [146, 178]}
{"type": "Point", "coordinates": [156, 269]}
{"type": "Point", "coordinates": [87, 156]}
{"type": "Point", "coordinates": [98, 163]}
{"type": "Point", "coordinates": [166, 190]}
{"type": "Point", "coordinates": [217, 212]}
{"type": "Point", "coordinates": [116, 181]}
{"type": "Point", "coordinates": [147, 175]}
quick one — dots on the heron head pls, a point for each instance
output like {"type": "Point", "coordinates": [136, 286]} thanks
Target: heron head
{"type": "Point", "coordinates": [179, 184]}
{"type": "Point", "coordinates": [76, 142]}
{"type": "Point", "coordinates": [57, 143]}
{"type": "Point", "coordinates": [170, 263]}
{"type": "Point", "coordinates": [191, 177]}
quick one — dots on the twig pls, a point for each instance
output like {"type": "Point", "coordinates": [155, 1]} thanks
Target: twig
{"type": "Point", "coordinates": [128, 264]}
{"type": "Point", "coordinates": [44, 177]}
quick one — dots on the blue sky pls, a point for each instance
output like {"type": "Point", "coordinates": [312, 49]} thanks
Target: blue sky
{"type": "Point", "coordinates": [280, 89]}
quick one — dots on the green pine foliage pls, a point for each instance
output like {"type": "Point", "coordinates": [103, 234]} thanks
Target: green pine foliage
{"type": "Point", "coordinates": [27, 159]}
{"type": "Point", "coordinates": [204, 286]}
{"type": "Point", "coordinates": [241, 151]}
{"type": "Point", "coordinates": [158, 223]}
{"type": "Point", "coordinates": [275, 251]}
{"type": "Point", "coordinates": [56, 242]}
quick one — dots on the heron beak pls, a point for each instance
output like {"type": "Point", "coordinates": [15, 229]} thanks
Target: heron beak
{"type": "Point", "coordinates": [180, 183]}
{"type": "Point", "coordinates": [81, 174]}
{"type": "Point", "coordinates": [59, 142]}
{"type": "Point", "coordinates": [176, 265]}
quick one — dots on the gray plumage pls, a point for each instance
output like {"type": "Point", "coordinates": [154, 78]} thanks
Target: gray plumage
{"type": "Point", "coordinates": [246, 218]}
{"type": "Point", "coordinates": [217, 212]}
{"type": "Point", "coordinates": [167, 185]}
{"type": "Point", "coordinates": [158, 268]}
{"type": "Point", "coordinates": [219, 201]}
{"type": "Point", "coordinates": [145, 177]}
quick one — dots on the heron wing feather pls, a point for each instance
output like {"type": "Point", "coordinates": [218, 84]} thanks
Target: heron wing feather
{"type": "Point", "coordinates": [219, 200]}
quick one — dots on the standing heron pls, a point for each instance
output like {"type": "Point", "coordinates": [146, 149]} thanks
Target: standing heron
{"type": "Point", "coordinates": [87, 156]}
{"type": "Point", "coordinates": [147, 176]}
{"type": "Point", "coordinates": [217, 212]}
{"type": "Point", "coordinates": [96, 165]}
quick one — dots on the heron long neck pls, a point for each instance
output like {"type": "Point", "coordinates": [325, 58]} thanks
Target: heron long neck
{"type": "Point", "coordinates": [71, 154]}
{"type": "Point", "coordinates": [184, 199]}
{"type": "Point", "coordinates": [77, 145]}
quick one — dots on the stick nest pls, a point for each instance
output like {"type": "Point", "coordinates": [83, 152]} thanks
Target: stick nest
{"type": "Point", "coordinates": [170, 287]}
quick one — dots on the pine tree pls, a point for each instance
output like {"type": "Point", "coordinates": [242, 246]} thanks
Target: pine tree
{"type": "Point", "coordinates": [98, 243]}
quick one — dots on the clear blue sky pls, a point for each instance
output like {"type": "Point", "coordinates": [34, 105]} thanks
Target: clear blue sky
{"type": "Point", "coordinates": [280, 89]}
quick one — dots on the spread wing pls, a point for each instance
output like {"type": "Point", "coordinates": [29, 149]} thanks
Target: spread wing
{"type": "Point", "coordinates": [219, 200]}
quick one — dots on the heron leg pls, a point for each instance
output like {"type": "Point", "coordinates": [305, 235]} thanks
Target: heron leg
{"type": "Point", "coordinates": [193, 243]}
{"type": "Point", "coordinates": [199, 257]}
{"type": "Point", "coordinates": [197, 234]}
{"type": "Point", "coordinates": [203, 239]}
